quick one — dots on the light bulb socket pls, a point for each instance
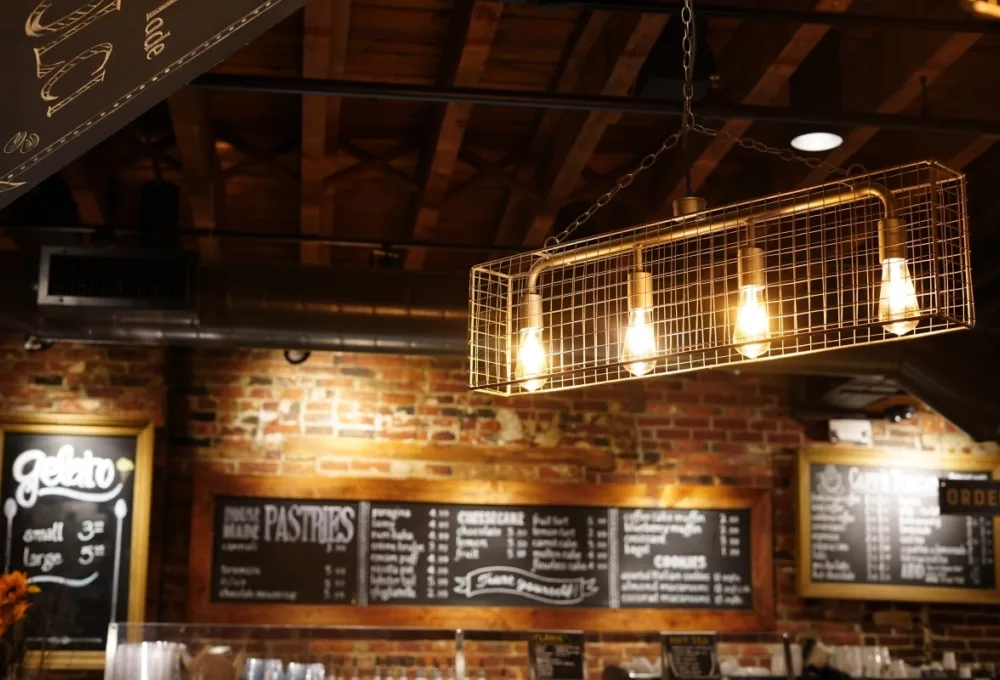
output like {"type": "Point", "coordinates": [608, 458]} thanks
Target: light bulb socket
{"type": "Point", "coordinates": [640, 290]}
{"type": "Point", "coordinates": [688, 205]}
{"type": "Point", "coordinates": [891, 239]}
{"type": "Point", "coordinates": [533, 311]}
{"type": "Point", "coordinates": [750, 267]}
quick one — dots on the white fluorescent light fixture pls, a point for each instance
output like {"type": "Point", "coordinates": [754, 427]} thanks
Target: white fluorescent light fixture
{"type": "Point", "coordinates": [814, 142]}
{"type": "Point", "coordinates": [866, 259]}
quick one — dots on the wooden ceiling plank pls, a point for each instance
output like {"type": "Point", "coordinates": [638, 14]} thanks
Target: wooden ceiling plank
{"type": "Point", "coordinates": [367, 161]}
{"type": "Point", "coordinates": [971, 151]}
{"type": "Point", "coordinates": [80, 177]}
{"type": "Point", "coordinates": [897, 101]}
{"type": "Point", "coordinates": [770, 85]}
{"type": "Point", "coordinates": [382, 165]}
{"type": "Point", "coordinates": [324, 55]}
{"type": "Point", "coordinates": [565, 80]}
{"type": "Point", "coordinates": [191, 120]}
{"type": "Point", "coordinates": [611, 69]}
{"type": "Point", "coordinates": [465, 70]}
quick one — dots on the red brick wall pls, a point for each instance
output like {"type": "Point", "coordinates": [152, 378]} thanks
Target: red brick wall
{"type": "Point", "coordinates": [250, 412]}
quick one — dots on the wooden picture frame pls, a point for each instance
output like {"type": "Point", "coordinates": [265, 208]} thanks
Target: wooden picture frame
{"type": "Point", "coordinates": [900, 459]}
{"type": "Point", "coordinates": [760, 617]}
{"type": "Point", "coordinates": [143, 432]}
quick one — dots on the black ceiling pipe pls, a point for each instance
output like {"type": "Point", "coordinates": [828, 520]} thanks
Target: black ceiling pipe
{"type": "Point", "coordinates": [754, 13]}
{"type": "Point", "coordinates": [291, 85]}
{"type": "Point", "coordinates": [260, 305]}
{"type": "Point", "coordinates": [263, 236]}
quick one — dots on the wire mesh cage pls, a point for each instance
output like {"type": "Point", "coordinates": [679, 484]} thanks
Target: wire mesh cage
{"type": "Point", "coordinates": [868, 259]}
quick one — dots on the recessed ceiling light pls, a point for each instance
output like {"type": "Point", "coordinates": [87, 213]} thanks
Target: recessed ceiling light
{"type": "Point", "coordinates": [817, 141]}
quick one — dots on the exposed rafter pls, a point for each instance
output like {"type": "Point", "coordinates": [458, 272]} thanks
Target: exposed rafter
{"type": "Point", "coordinates": [774, 79]}
{"type": "Point", "coordinates": [971, 151]}
{"type": "Point", "coordinates": [192, 125]}
{"type": "Point", "coordinates": [79, 176]}
{"type": "Point", "coordinates": [324, 54]}
{"type": "Point", "coordinates": [898, 100]}
{"type": "Point", "coordinates": [477, 23]}
{"type": "Point", "coordinates": [586, 35]}
{"type": "Point", "coordinates": [611, 69]}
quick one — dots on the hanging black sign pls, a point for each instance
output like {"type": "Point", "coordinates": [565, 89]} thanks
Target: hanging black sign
{"type": "Point", "coordinates": [690, 656]}
{"type": "Point", "coordinates": [969, 497]}
{"type": "Point", "coordinates": [557, 656]}
{"type": "Point", "coordinates": [75, 72]}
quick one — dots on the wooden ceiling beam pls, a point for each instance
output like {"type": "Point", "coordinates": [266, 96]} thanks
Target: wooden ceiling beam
{"type": "Point", "coordinates": [79, 175]}
{"type": "Point", "coordinates": [901, 98]}
{"type": "Point", "coordinates": [586, 34]}
{"type": "Point", "coordinates": [324, 55]}
{"type": "Point", "coordinates": [473, 27]}
{"type": "Point", "coordinates": [380, 163]}
{"type": "Point", "coordinates": [370, 161]}
{"type": "Point", "coordinates": [193, 132]}
{"type": "Point", "coordinates": [972, 151]}
{"type": "Point", "coordinates": [611, 69]}
{"type": "Point", "coordinates": [770, 85]}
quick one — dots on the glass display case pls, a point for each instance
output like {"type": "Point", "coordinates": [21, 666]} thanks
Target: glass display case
{"type": "Point", "coordinates": [250, 652]}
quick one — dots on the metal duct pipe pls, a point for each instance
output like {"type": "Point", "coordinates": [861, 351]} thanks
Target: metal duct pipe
{"type": "Point", "coordinates": [258, 305]}
{"type": "Point", "coordinates": [556, 100]}
{"type": "Point", "coordinates": [955, 374]}
{"type": "Point", "coordinates": [752, 13]}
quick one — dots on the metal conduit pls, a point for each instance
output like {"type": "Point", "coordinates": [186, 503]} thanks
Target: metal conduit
{"type": "Point", "coordinates": [754, 13]}
{"type": "Point", "coordinates": [557, 100]}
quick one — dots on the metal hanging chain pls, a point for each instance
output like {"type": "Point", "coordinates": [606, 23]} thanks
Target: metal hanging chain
{"type": "Point", "coordinates": [689, 124]}
{"type": "Point", "coordinates": [784, 154]}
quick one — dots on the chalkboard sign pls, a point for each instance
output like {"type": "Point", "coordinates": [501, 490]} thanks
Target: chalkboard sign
{"type": "Point", "coordinates": [76, 512]}
{"type": "Point", "coordinates": [355, 545]}
{"type": "Point", "coordinates": [691, 656]}
{"type": "Point", "coordinates": [74, 73]}
{"type": "Point", "coordinates": [557, 656]}
{"type": "Point", "coordinates": [871, 527]}
{"type": "Point", "coordinates": [275, 550]}
{"type": "Point", "coordinates": [684, 558]}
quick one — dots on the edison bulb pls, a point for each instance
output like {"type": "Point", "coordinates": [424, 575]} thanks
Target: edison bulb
{"type": "Point", "coordinates": [639, 345]}
{"type": "Point", "coordinates": [752, 335]}
{"type": "Point", "coordinates": [897, 304]}
{"type": "Point", "coordinates": [531, 359]}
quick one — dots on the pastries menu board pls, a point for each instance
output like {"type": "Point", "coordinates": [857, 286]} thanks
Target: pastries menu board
{"type": "Point", "coordinates": [280, 550]}
{"type": "Point", "coordinates": [274, 550]}
{"type": "Point", "coordinates": [875, 523]}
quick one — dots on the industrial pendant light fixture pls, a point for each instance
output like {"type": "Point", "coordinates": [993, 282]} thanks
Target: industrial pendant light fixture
{"type": "Point", "coordinates": [864, 259]}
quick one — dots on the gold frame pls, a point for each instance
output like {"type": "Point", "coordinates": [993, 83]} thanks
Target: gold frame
{"type": "Point", "coordinates": [143, 432]}
{"type": "Point", "coordinates": [904, 459]}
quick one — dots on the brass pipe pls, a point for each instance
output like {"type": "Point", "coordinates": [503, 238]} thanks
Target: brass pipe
{"type": "Point", "coordinates": [639, 242]}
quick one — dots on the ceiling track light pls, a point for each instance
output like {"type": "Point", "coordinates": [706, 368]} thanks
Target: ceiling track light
{"type": "Point", "coordinates": [858, 261]}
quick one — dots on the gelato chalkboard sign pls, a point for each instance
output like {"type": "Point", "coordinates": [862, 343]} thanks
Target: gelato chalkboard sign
{"type": "Point", "coordinates": [872, 527]}
{"type": "Point", "coordinates": [362, 546]}
{"type": "Point", "coordinates": [76, 512]}
{"type": "Point", "coordinates": [73, 73]}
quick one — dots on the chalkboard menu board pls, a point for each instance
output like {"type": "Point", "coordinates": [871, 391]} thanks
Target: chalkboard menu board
{"type": "Point", "coordinates": [334, 548]}
{"type": "Point", "coordinates": [872, 528]}
{"type": "Point", "coordinates": [557, 656]}
{"type": "Point", "coordinates": [76, 506]}
{"type": "Point", "coordinates": [275, 550]}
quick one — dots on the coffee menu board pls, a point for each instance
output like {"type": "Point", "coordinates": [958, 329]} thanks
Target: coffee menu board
{"type": "Point", "coordinates": [870, 527]}
{"type": "Point", "coordinates": [76, 513]}
{"type": "Point", "coordinates": [457, 561]}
